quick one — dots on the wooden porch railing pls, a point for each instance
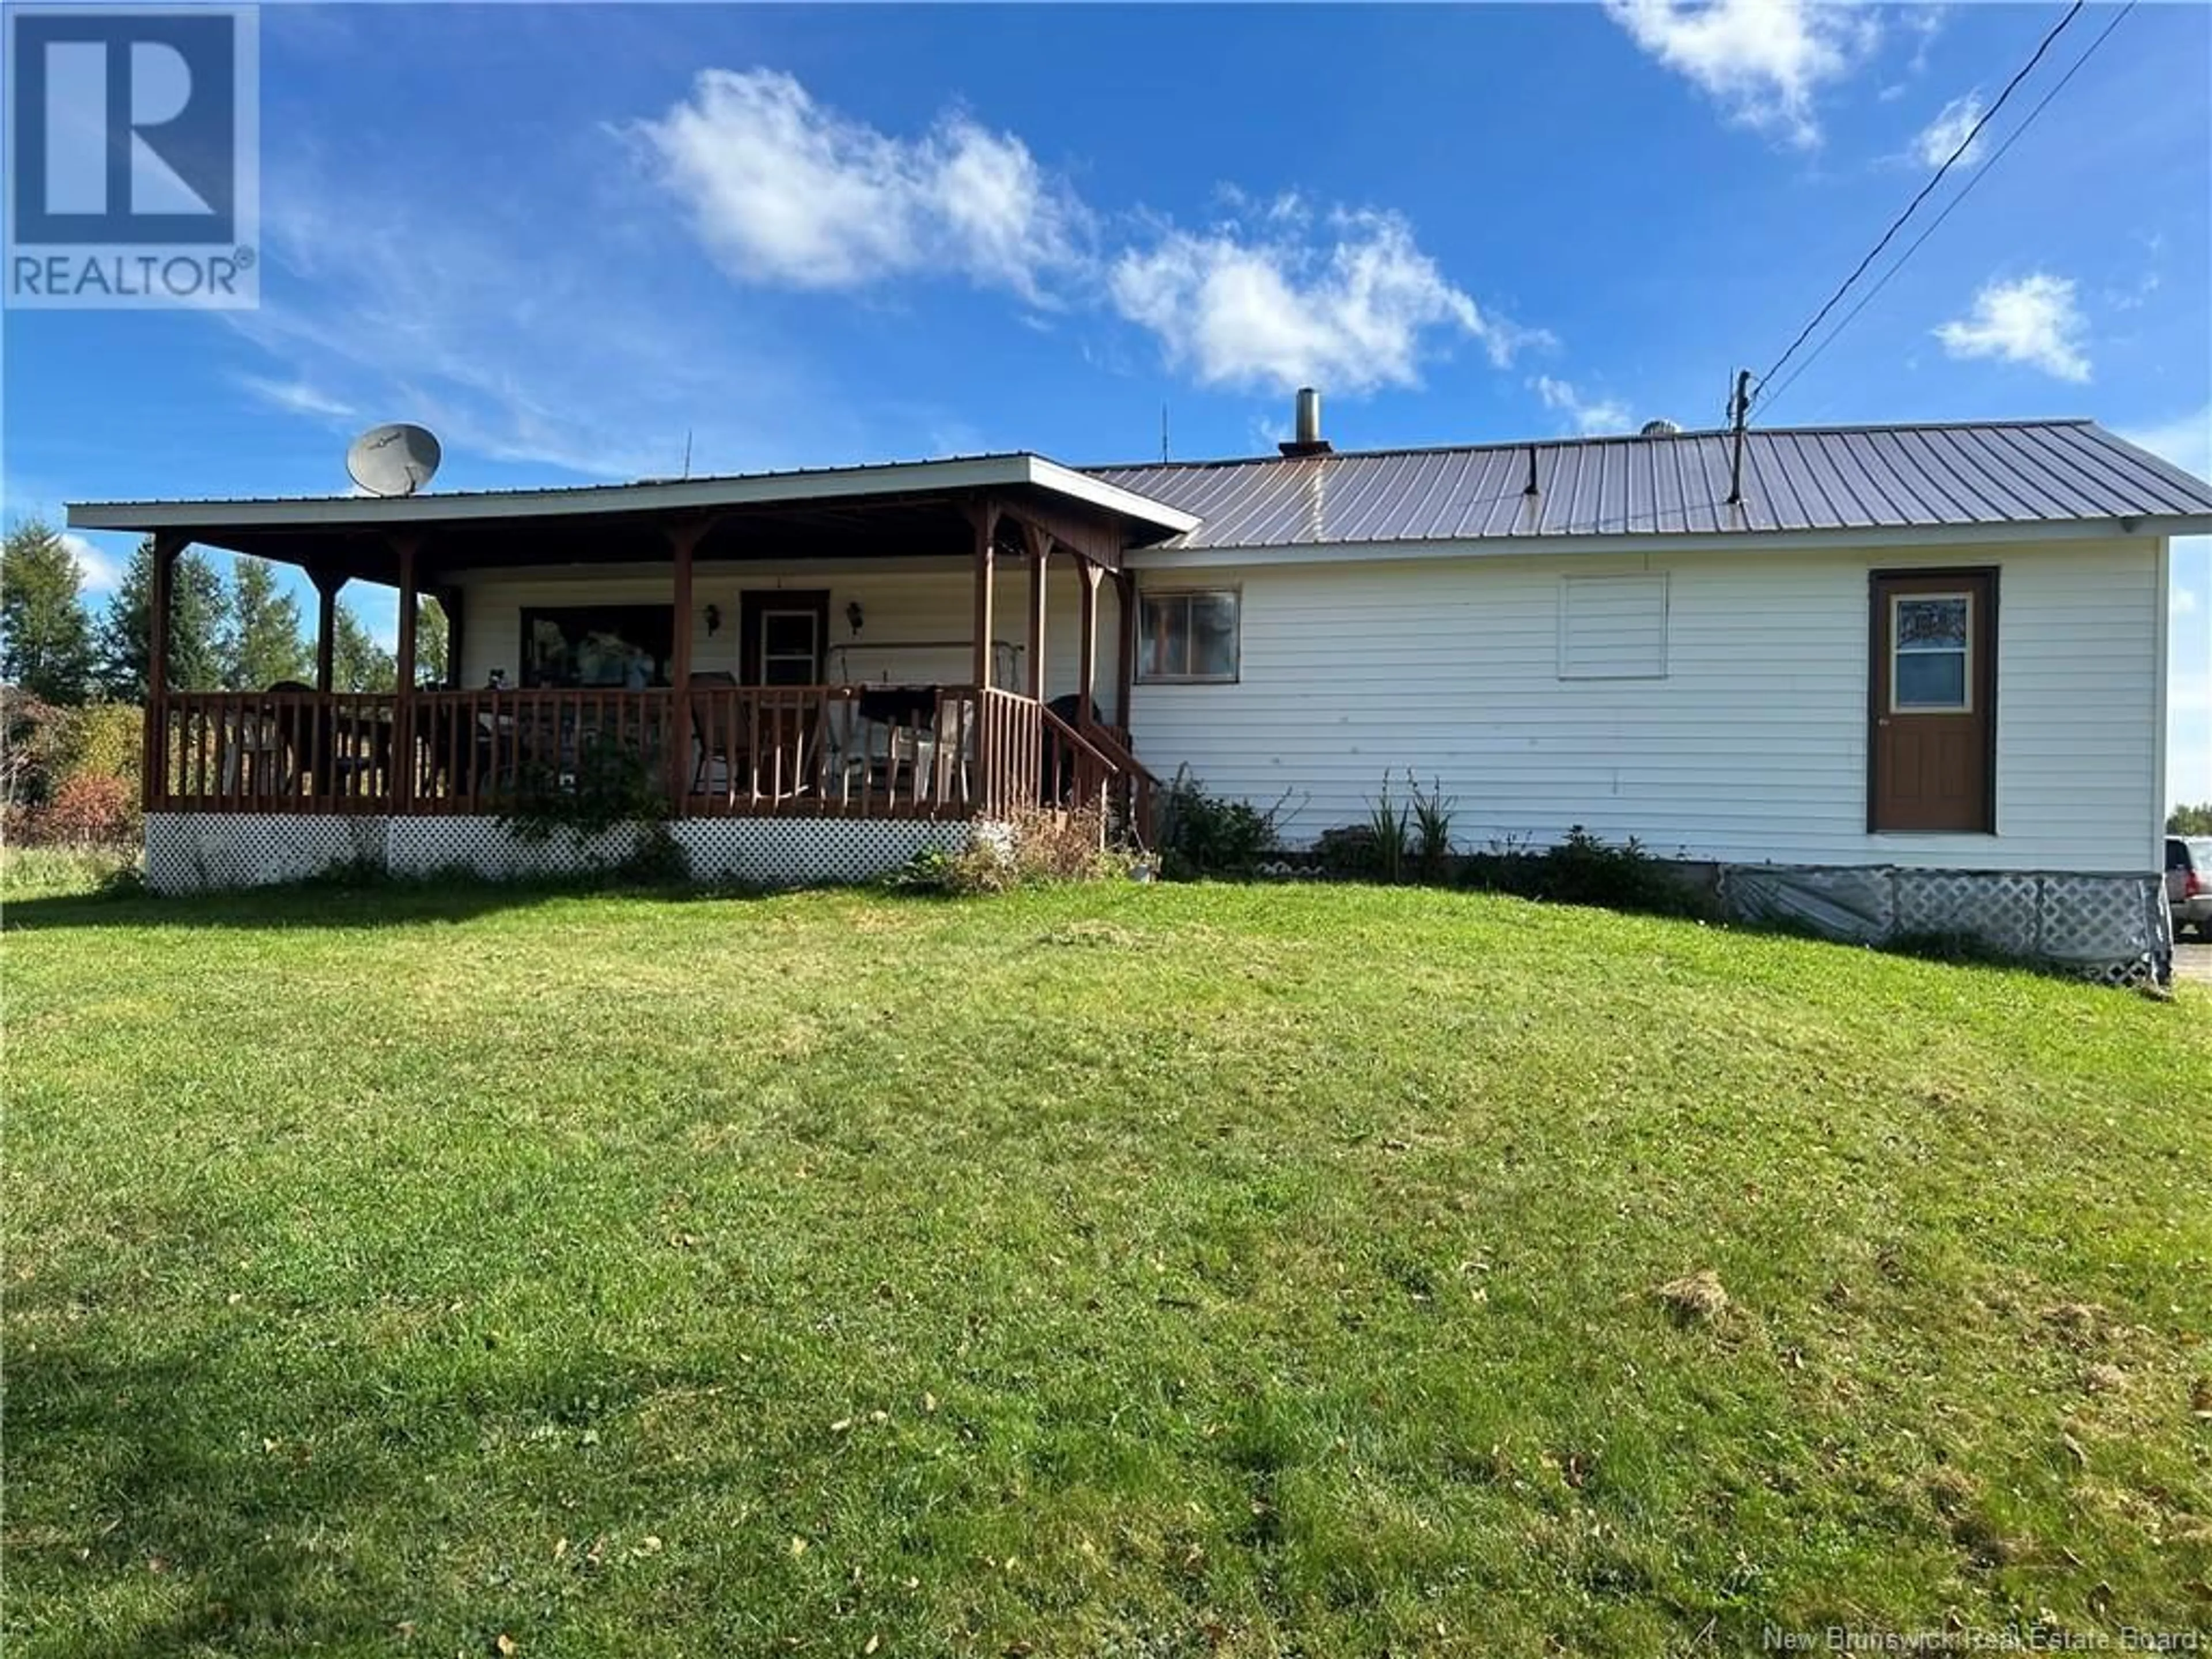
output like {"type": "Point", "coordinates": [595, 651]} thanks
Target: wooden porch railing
{"type": "Point", "coordinates": [834, 750]}
{"type": "Point", "coordinates": [275, 752]}
{"type": "Point", "coordinates": [839, 751]}
{"type": "Point", "coordinates": [475, 751]}
{"type": "Point", "coordinates": [1012, 752]}
{"type": "Point", "coordinates": [1089, 764]}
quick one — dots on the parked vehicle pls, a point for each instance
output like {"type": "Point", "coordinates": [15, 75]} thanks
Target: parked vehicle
{"type": "Point", "coordinates": [2188, 884]}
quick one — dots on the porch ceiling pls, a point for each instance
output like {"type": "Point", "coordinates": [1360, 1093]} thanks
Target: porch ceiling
{"type": "Point", "coordinates": [918, 510]}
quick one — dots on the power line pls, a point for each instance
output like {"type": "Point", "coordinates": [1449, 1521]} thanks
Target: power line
{"type": "Point", "coordinates": [1897, 223]}
{"type": "Point", "coordinates": [1950, 207]}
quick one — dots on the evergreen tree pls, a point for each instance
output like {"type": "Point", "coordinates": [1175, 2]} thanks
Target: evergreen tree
{"type": "Point", "coordinates": [261, 642]}
{"type": "Point", "coordinates": [46, 637]}
{"type": "Point", "coordinates": [358, 663]}
{"type": "Point", "coordinates": [196, 608]}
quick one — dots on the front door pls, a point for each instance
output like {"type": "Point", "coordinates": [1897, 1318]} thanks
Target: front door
{"type": "Point", "coordinates": [1931, 747]}
{"type": "Point", "coordinates": [784, 635]}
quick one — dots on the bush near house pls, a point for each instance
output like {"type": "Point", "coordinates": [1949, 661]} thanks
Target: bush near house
{"type": "Point", "coordinates": [1584, 869]}
{"type": "Point", "coordinates": [69, 775]}
{"type": "Point", "coordinates": [1206, 834]}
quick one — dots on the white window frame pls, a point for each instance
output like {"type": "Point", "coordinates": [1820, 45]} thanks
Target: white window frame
{"type": "Point", "coordinates": [1235, 595]}
{"type": "Point", "coordinates": [1657, 578]}
{"type": "Point", "coordinates": [769, 613]}
{"type": "Point", "coordinates": [1898, 648]}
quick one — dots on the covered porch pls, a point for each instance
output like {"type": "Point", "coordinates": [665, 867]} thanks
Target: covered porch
{"type": "Point", "coordinates": [875, 643]}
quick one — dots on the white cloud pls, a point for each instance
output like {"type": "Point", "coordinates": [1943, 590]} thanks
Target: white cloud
{"type": "Point", "coordinates": [2032, 320]}
{"type": "Point", "coordinates": [1764, 61]}
{"type": "Point", "coordinates": [98, 572]}
{"type": "Point", "coordinates": [513, 347]}
{"type": "Point", "coordinates": [1590, 416]}
{"type": "Point", "coordinates": [782, 191]}
{"type": "Point", "coordinates": [1935, 142]}
{"type": "Point", "coordinates": [1275, 307]}
{"type": "Point", "coordinates": [296, 396]}
{"type": "Point", "coordinates": [2184, 601]}
{"type": "Point", "coordinates": [1923, 24]}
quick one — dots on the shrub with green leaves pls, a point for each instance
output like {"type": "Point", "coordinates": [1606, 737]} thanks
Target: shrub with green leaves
{"type": "Point", "coordinates": [1205, 835]}
{"type": "Point", "coordinates": [611, 783]}
{"type": "Point", "coordinates": [1585, 870]}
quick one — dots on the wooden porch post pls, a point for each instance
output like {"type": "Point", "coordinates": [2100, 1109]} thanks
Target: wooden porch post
{"type": "Point", "coordinates": [683, 542]}
{"type": "Point", "coordinates": [986, 527]}
{"type": "Point", "coordinates": [1125, 595]}
{"type": "Point", "coordinates": [984, 514]}
{"type": "Point", "coordinates": [153, 774]}
{"type": "Point", "coordinates": [1086, 642]}
{"type": "Point", "coordinates": [1039, 544]}
{"type": "Point", "coordinates": [403, 712]}
{"type": "Point", "coordinates": [327, 621]}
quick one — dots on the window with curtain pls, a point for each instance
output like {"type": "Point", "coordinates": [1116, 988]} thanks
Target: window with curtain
{"type": "Point", "coordinates": [1188, 636]}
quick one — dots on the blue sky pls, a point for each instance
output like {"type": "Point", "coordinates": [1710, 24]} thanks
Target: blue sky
{"type": "Point", "coordinates": [566, 237]}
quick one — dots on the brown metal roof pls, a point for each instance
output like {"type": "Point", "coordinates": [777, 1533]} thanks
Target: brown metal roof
{"type": "Point", "coordinates": [1981, 476]}
{"type": "Point", "coordinates": [1867, 478]}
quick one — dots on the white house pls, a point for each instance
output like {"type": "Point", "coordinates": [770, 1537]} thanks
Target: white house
{"type": "Point", "coordinates": [1931, 648]}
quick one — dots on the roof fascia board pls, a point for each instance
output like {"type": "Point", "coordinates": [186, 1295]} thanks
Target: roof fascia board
{"type": "Point", "coordinates": [1096, 492]}
{"type": "Point", "coordinates": [1734, 541]}
{"type": "Point", "coordinates": [370, 513]}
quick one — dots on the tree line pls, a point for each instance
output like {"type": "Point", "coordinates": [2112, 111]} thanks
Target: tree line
{"type": "Point", "coordinates": [243, 634]}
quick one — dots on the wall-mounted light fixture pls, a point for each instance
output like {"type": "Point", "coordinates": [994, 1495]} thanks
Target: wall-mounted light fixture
{"type": "Point", "coordinates": [854, 615]}
{"type": "Point", "coordinates": [713, 620]}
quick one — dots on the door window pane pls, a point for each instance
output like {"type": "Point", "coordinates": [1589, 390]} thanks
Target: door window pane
{"type": "Point", "coordinates": [1932, 624]}
{"type": "Point", "coordinates": [1931, 653]}
{"type": "Point", "coordinates": [1932, 679]}
{"type": "Point", "coordinates": [787, 633]}
{"type": "Point", "coordinates": [788, 655]}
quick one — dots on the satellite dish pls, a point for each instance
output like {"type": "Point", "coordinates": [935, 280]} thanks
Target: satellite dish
{"type": "Point", "coordinates": [394, 459]}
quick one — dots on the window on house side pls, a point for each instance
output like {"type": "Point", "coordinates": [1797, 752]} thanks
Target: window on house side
{"type": "Point", "coordinates": [1186, 636]}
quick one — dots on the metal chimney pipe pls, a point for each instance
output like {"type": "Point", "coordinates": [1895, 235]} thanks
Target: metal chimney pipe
{"type": "Point", "coordinates": [1308, 441]}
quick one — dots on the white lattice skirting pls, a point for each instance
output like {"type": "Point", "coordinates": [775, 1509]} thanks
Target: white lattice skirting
{"type": "Point", "coordinates": [193, 853]}
{"type": "Point", "coordinates": [2114, 928]}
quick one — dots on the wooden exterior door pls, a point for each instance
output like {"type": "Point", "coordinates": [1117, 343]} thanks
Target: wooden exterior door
{"type": "Point", "coordinates": [1932, 743]}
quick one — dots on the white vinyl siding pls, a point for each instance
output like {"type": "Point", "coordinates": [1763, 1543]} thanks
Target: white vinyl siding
{"type": "Point", "coordinates": [918, 617]}
{"type": "Point", "coordinates": [1613, 628]}
{"type": "Point", "coordinates": [1753, 746]}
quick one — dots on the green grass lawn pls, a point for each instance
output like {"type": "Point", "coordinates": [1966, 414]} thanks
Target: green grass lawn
{"type": "Point", "coordinates": [1115, 1270]}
